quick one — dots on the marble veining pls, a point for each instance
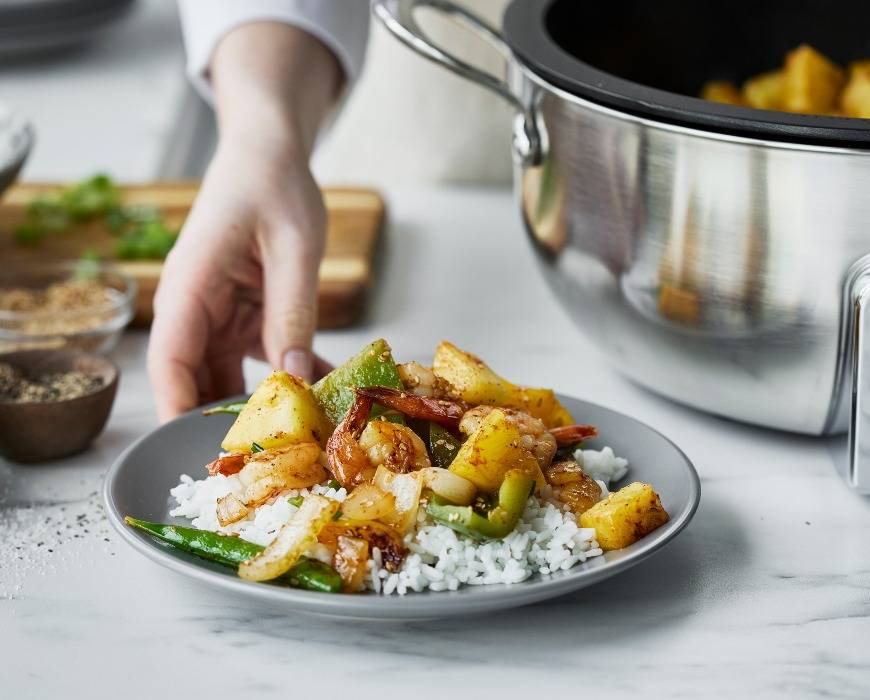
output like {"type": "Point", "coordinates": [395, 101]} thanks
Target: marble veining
{"type": "Point", "coordinates": [766, 593]}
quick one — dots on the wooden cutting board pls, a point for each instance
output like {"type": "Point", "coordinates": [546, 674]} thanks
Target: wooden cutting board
{"type": "Point", "coordinates": [356, 218]}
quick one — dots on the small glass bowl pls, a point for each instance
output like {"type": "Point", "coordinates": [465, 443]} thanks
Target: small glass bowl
{"type": "Point", "coordinates": [94, 328]}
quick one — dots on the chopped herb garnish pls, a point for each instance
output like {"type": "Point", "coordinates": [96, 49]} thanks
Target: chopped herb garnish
{"type": "Point", "coordinates": [142, 233]}
{"type": "Point", "coordinates": [256, 447]}
{"type": "Point", "coordinates": [333, 484]}
{"type": "Point", "coordinates": [296, 500]}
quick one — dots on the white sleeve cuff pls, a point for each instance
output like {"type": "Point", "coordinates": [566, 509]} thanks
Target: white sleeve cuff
{"type": "Point", "coordinates": [340, 24]}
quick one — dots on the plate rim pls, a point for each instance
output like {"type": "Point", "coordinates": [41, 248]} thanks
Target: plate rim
{"type": "Point", "coordinates": [395, 607]}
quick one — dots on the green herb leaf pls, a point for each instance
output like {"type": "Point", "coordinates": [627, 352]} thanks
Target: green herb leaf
{"type": "Point", "coordinates": [256, 447]}
{"type": "Point", "coordinates": [233, 408]}
{"type": "Point", "coordinates": [296, 500]}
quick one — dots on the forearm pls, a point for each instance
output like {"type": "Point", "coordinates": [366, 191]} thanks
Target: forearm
{"type": "Point", "coordinates": [274, 84]}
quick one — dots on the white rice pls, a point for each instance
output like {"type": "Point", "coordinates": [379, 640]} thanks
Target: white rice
{"type": "Point", "coordinates": [602, 465]}
{"type": "Point", "coordinates": [547, 538]}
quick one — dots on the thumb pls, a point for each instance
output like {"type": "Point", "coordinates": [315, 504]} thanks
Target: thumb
{"type": "Point", "coordinates": [290, 306]}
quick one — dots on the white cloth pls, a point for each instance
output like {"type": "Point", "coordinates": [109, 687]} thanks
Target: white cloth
{"type": "Point", "coordinates": [342, 25]}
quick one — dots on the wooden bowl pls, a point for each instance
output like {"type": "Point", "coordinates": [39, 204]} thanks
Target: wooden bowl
{"type": "Point", "coordinates": [35, 432]}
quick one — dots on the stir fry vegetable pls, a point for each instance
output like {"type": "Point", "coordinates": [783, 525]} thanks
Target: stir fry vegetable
{"type": "Point", "coordinates": [442, 446]}
{"type": "Point", "coordinates": [477, 384]}
{"type": "Point", "coordinates": [292, 540]}
{"type": "Point", "coordinates": [231, 551]}
{"type": "Point", "coordinates": [514, 492]}
{"type": "Point", "coordinates": [402, 447]}
{"type": "Point", "coordinates": [625, 516]}
{"type": "Point", "coordinates": [282, 411]}
{"type": "Point", "coordinates": [493, 449]}
{"type": "Point", "coordinates": [373, 366]}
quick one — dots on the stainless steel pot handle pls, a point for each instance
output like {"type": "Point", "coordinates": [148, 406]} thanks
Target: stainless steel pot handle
{"type": "Point", "coordinates": [398, 18]}
{"type": "Point", "coordinates": [856, 466]}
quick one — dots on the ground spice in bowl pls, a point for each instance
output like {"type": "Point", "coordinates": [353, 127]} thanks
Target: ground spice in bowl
{"type": "Point", "coordinates": [18, 387]}
{"type": "Point", "coordinates": [77, 305]}
{"type": "Point", "coordinates": [53, 403]}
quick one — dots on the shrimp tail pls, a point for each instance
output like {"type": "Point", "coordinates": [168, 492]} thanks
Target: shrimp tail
{"type": "Point", "coordinates": [568, 435]}
{"type": "Point", "coordinates": [229, 464]}
{"type": "Point", "coordinates": [344, 456]}
{"type": "Point", "coordinates": [445, 413]}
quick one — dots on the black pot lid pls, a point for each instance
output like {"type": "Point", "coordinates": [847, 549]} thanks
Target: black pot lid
{"type": "Point", "coordinates": [530, 38]}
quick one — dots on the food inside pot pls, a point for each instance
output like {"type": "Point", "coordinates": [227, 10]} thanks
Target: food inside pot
{"type": "Point", "coordinates": [807, 83]}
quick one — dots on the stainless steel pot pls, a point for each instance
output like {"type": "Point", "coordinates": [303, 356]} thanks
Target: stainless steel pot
{"type": "Point", "coordinates": [717, 254]}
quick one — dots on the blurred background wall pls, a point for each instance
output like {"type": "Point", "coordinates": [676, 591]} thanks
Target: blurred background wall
{"type": "Point", "coordinates": [121, 103]}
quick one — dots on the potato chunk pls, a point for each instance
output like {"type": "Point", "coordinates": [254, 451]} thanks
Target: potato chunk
{"type": "Point", "coordinates": [765, 91]}
{"type": "Point", "coordinates": [723, 91]}
{"type": "Point", "coordinates": [478, 384]}
{"type": "Point", "coordinates": [625, 516]}
{"type": "Point", "coordinates": [491, 451]}
{"type": "Point", "coordinates": [855, 100]}
{"type": "Point", "coordinates": [282, 411]}
{"type": "Point", "coordinates": [812, 83]}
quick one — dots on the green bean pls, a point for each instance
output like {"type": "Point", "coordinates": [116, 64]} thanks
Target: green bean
{"type": "Point", "coordinates": [309, 574]}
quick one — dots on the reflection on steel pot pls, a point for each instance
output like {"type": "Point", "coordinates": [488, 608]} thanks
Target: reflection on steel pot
{"type": "Point", "coordinates": [716, 252]}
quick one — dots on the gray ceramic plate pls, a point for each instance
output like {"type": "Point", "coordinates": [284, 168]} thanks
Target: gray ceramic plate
{"type": "Point", "coordinates": [138, 484]}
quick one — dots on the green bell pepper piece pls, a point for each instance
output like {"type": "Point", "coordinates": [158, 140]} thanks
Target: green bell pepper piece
{"type": "Point", "coordinates": [309, 574]}
{"type": "Point", "coordinates": [501, 520]}
{"type": "Point", "coordinates": [442, 446]}
{"type": "Point", "coordinates": [373, 366]}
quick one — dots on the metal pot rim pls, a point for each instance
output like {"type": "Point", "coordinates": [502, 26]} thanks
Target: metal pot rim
{"type": "Point", "coordinates": [695, 132]}
{"type": "Point", "coordinates": [531, 45]}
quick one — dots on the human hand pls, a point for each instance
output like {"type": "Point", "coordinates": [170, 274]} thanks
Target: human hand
{"type": "Point", "coordinates": [242, 278]}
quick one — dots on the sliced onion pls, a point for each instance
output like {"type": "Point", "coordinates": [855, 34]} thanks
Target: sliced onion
{"type": "Point", "coordinates": [368, 502]}
{"type": "Point", "coordinates": [351, 556]}
{"type": "Point", "coordinates": [292, 541]}
{"type": "Point", "coordinates": [448, 485]}
{"type": "Point", "coordinates": [230, 509]}
{"type": "Point", "coordinates": [406, 488]}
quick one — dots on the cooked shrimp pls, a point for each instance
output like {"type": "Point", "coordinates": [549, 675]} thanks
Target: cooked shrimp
{"type": "Point", "coordinates": [396, 447]}
{"type": "Point", "coordinates": [422, 381]}
{"type": "Point", "coordinates": [356, 450]}
{"type": "Point", "coordinates": [568, 435]}
{"type": "Point", "coordinates": [446, 413]}
{"type": "Point", "coordinates": [226, 465]}
{"type": "Point", "coordinates": [534, 434]}
{"type": "Point", "coordinates": [269, 472]}
{"type": "Point", "coordinates": [346, 458]}
{"type": "Point", "coordinates": [572, 486]}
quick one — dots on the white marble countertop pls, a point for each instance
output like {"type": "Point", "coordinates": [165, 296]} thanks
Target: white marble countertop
{"type": "Point", "coordinates": [767, 593]}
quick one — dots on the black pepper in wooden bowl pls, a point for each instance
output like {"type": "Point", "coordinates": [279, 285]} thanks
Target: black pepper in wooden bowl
{"type": "Point", "coordinates": [18, 387]}
{"type": "Point", "coordinates": [53, 403]}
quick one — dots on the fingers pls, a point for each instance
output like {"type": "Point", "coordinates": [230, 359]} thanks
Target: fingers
{"type": "Point", "coordinates": [175, 353]}
{"type": "Point", "coordinates": [226, 376]}
{"type": "Point", "coordinates": [290, 265]}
